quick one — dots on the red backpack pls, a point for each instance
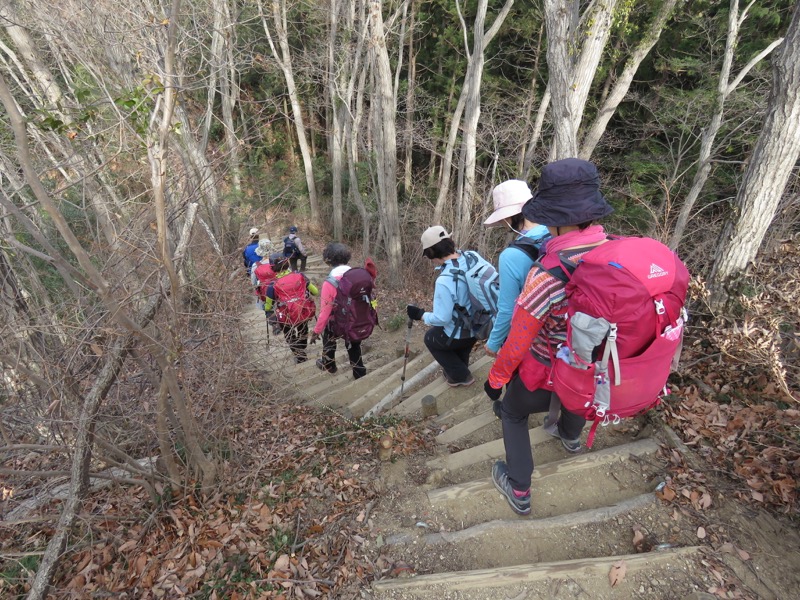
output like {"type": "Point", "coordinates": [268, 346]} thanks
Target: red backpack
{"type": "Point", "coordinates": [626, 316]}
{"type": "Point", "coordinates": [293, 302]}
{"type": "Point", "coordinates": [353, 317]}
{"type": "Point", "coordinates": [265, 275]}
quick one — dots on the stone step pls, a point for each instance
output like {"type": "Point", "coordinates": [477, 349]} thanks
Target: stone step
{"type": "Point", "coordinates": [391, 382]}
{"type": "Point", "coordinates": [538, 580]}
{"type": "Point", "coordinates": [356, 388]}
{"type": "Point", "coordinates": [603, 477]}
{"type": "Point", "coordinates": [446, 397]}
{"type": "Point", "coordinates": [467, 427]}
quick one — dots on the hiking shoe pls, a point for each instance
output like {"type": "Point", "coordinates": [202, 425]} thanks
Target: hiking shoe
{"type": "Point", "coordinates": [470, 380]}
{"type": "Point", "coordinates": [572, 446]}
{"type": "Point", "coordinates": [321, 366]}
{"type": "Point", "coordinates": [519, 504]}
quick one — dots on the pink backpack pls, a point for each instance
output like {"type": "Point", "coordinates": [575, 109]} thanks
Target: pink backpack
{"type": "Point", "coordinates": [626, 316]}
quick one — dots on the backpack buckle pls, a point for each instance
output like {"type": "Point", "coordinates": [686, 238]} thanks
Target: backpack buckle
{"type": "Point", "coordinates": [660, 308]}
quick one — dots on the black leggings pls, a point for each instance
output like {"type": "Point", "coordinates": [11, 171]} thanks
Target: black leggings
{"type": "Point", "coordinates": [297, 338]}
{"type": "Point", "coordinates": [353, 353]}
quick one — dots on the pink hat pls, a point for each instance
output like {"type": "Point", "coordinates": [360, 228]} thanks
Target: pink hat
{"type": "Point", "coordinates": [508, 197]}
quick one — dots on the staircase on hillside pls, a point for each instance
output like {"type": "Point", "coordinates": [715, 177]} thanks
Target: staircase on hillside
{"type": "Point", "coordinates": [456, 533]}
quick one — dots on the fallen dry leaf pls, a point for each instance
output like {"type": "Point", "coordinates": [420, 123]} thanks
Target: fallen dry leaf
{"type": "Point", "coordinates": [667, 494]}
{"type": "Point", "coordinates": [743, 554]}
{"type": "Point", "coordinates": [617, 573]}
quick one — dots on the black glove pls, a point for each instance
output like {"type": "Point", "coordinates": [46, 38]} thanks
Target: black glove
{"type": "Point", "coordinates": [493, 393]}
{"type": "Point", "coordinates": [414, 312]}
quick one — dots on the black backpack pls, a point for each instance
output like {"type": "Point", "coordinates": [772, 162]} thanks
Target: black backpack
{"type": "Point", "coordinates": [290, 249]}
{"type": "Point", "coordinates": [533, 247]}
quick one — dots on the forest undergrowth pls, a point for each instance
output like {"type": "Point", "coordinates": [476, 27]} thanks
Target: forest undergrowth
{"type": "Point", "coordinates": [291, 515]}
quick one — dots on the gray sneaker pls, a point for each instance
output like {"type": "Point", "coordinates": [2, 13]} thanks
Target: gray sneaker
{"type": "Point", "coordinates": [521, 506]}
{"type": "Point", "coordinates": [572, 446]}
{"type": "Point", "coordinates": [470, 380]}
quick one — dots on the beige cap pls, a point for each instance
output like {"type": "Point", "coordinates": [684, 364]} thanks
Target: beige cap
{"type": "Point", "coordinates": [432, 235]}
{"type": "Point", "coordinates": [509, 197]}
{"type": "Point", "coordinates": [253, 230]}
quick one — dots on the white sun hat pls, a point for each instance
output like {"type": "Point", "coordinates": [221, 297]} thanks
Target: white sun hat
{"type": "Point", "coordinates": [509, 197]}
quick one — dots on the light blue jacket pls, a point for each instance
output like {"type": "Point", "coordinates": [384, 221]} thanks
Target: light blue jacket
{"type": "Point", "coordinates": [513, 266]}
{"type": "Point", "coordinates": [445, 296]}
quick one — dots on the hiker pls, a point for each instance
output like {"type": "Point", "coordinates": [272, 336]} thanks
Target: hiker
{"type": "Point", "coordinates": [568, 202]}
{"type": "Point", "coordinates": [262, 273]}
{"type": "Point", "coordinates": [447, 340]}
{"type": "Point", "coordinates": [354, 322]}
{"type": "Point", "coordinates": [293, 249]}
{"type": "Point", "coordinates": [289, 299]}
{"type": "Point", "coordinates": [249, 253]}
{"type": "Point", "coordinates": [517, 259]}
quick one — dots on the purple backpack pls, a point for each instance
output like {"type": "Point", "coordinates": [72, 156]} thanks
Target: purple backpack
{"type": "Point", "coordinates": [353, 316]}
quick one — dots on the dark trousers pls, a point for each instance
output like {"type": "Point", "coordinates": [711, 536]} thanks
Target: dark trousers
{"type": "Point", "coordinates": [353, 353]}
{"type": "Point", "coordinates": [297, 338]}
{"type": "Point", "coordinates": [293, 262]}
{"type": "Point", "coordinates": [452, 355]}
{"type": "Point", "coordinates": [518, 403]}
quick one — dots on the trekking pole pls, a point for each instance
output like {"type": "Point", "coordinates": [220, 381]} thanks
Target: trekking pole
{"type": "Point", "coordinates": [405, 355]}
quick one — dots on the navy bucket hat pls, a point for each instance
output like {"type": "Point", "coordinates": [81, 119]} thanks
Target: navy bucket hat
{"type": "Point", "coordinates": [568, 194]}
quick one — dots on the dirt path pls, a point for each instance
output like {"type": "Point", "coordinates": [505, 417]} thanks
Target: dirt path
{"type": "Point", "coordinates": [440, 530]}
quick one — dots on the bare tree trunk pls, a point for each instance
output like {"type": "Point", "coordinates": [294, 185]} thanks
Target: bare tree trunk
{"type": "Point", "coordinates": [469, 103]}
{"type": "Point", "coordinates": [225, 71]}
{"type": "Point", "coordinates": [623, 82]}
{"type": "Point", "coordinates": [724, 89]}
{"type": "Point", "coordinates": [386, 140]}
{"type": "Point", "coordinates": [527, 165]}
{"type": "Point", "coordinates": [354, 127]}
{"type": "Point", "coordinates": [529, 102]}
{"type": "Point", "coordinates": [284, 60]}
{"type": "Point", "coordinates": [408, 134]}
{"type": "Point", "coordinates": [570, 79]}
{"type": "Point", "coordinates": [774, 157]}
{"type": "Point", "coordinates": [336, 141]}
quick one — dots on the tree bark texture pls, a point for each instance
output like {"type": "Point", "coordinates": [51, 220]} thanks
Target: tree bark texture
{"type": "Point", "coordinates": [284, 60]}
{"type": "Point", "coordinates": [570, 78]}
{"type": "Point", "coordinates": [772, 162]}
{"type": "Point", "coordinates": [386, 140]}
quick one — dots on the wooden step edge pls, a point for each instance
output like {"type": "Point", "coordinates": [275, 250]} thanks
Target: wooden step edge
{"type": "Point", "coordinates": [581, 568]}
{"type": "Point", "coordinates": [481, 452]}
{"type": "Point", "coordinates": [373, 402]}
{"type": "Point", "coordinates": [371, 374]}
{"type": "Point", "coordinates": [540, 526]}
{"type": "Point", "coordinates": [414, 402]}
{"type": "Point", "coordinates": [470, 426]}
{"type": "Point", "coordinates": [468, 407]}
{"type": "Point", "coordinates": [396, 393]}
{"type": "Point", "coordinates": [574, 464]}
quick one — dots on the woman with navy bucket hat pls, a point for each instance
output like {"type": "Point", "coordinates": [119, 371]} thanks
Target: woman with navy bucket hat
{"type": "Point", "coordinates": [568, 202]}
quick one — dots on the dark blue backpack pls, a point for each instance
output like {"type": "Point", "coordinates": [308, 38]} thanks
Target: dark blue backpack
{"type": "Point", "coordinates": [290, 249]}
